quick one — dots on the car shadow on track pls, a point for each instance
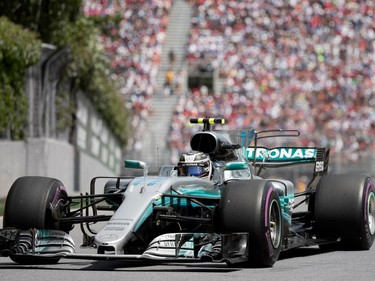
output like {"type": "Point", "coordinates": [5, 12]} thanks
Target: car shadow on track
{"type": "Point", "coordinates": [192, 267]}
{"type": "Point", "coordinates": [300, 252]}
{"type": "Point", "coordinates": [125, 266]}
{"type": "Point", "coordinates": [160, 267]}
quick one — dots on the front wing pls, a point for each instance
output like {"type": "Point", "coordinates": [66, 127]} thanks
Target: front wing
{"type": "Point", "coordinates": [171, 247]}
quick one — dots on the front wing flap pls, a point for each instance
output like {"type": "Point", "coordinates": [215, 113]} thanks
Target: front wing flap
{"type": "Point", "coordinates": [35, 242]}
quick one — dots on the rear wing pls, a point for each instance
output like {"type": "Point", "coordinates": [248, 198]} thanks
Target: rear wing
{"type": "Point", "coordinates": [287, 156]}
{"type": "Point", "coordinates": [264, 157]}
{"type": "Point", "coordinates": [222, 144]}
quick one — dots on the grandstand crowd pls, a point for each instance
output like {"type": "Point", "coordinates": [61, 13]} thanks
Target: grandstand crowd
{"type": "Point", "coordinates": [307, 65]}
{"type": "Point", "coordinates": [292, 64]}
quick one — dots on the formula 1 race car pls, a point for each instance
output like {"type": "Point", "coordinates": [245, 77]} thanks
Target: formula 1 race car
{"type": "Point", "coordinates": [233, 216]}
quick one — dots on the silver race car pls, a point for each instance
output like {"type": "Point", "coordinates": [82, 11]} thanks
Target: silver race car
{"type": "Point", "coordinates": [213, 206]}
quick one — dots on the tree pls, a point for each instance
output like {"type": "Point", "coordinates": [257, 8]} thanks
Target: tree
{"type": "Point", "coordinates": [19, 48]}
{"type": "Point", "coordinates": [48, 18]}
{"type": "Point", "coordinates": [62, 24]}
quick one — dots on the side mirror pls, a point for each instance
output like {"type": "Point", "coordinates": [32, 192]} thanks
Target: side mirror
{"type": "Point", "coordinates": [135, 164]}
{"type": "Point", "coordinates": [237, 166]}
{"type": "Point", "coordinates": [237, 170]}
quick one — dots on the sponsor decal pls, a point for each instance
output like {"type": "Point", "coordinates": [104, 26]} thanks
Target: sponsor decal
{"type": "Point", "coordinates": [281, 154]}
{"type": "Point", "coordinates": [108, 237]}
{"type": "Point", "coordinates": [319, 167]}
{"type": "Point", "coordinates": [114, 228]}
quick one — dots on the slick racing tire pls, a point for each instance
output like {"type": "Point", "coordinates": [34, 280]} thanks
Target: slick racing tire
{"type": "Point", "coordinates": [35, 202]}
{"type": "Point", "coordinates": [253, 206]}
{"type": "Point", "coordinates": [345, 210]}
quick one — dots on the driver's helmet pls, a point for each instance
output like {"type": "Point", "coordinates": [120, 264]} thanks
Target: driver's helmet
{"type": "Point", "coordinates": [196, 164]}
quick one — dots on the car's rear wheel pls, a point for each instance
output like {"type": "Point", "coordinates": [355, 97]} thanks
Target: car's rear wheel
{"type": "Point", "coordinates": [36, 202]}
{"type": "Point", "coordinates": [345, 210]}
{"type": "Point", "coordinates": [253, 206]}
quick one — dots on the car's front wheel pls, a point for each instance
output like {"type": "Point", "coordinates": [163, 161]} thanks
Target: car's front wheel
{"type": "Point", "coordinates": [253, 206]}
{"type": "Point", "coordinates": [36, 203]}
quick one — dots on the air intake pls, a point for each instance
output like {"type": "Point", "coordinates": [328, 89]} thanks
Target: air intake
{"type": "Point", "coordinates": [205, 142]}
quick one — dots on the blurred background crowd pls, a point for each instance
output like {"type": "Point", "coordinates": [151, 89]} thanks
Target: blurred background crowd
{"type": "Point", "coordinates": [306, 65]}
{"type": "Point", "coordinates": [134, 48]}
{"type": "Point", "coordinates": [297, 64]}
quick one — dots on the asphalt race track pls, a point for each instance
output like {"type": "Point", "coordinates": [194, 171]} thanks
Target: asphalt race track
{"type": "Point", "coordinates": [299, 264]}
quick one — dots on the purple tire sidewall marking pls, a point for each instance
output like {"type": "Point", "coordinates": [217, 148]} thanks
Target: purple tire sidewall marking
{"type": "Point", "coordinates": [369, 185]}
{"type": "Point", "coordinates": [57, 194]}
{"type": "Point", "coordinates": [266, 207]}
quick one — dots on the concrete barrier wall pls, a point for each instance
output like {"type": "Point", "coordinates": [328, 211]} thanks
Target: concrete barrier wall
{"type": "Point", "coordinates": [50, 158]}
{"type": "Point", "coordinates": [89, 168]}
{"type": "Point", "coordinates": [12, 163]}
